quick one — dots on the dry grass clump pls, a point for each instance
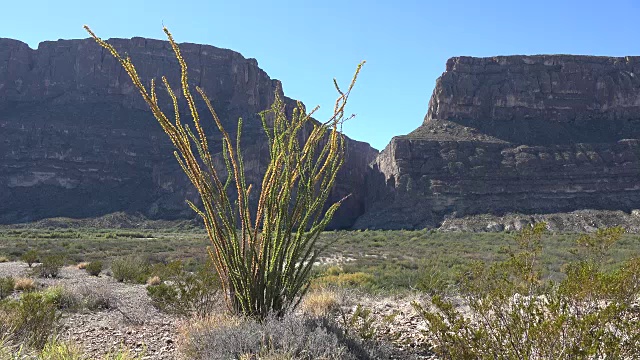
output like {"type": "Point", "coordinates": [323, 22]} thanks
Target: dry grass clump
{"type": "Point", "coordinates": [24, 284]}
{"type": "Point", "coordinates": [154, 280]}
{"type": "Point", "coordinates": [319, 303]}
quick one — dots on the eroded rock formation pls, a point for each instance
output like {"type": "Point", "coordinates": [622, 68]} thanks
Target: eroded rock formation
{"type": "Point", "coordinates": [77, 140]}
{"type": "Point", "coordinates": [523, 135]}
{"type": "Point", "coordinates": [527, 134]}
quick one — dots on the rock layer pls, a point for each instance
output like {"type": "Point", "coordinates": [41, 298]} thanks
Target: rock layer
{"type": "Point", "coordinates": [527, 134]}
{"type": "Point", "coordinates": [78, 140]}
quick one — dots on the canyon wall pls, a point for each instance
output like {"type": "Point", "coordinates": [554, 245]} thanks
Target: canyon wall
{"type": "Point", "coordinates": [77, 140]}
{"type": "Point", "coordinates": [525, 134]}
{"type": "Point", "coordinates": [530, 135]}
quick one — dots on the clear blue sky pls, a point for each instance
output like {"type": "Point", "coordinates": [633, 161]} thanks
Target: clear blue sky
{"type": "Point", "coordinates": [307, 43]}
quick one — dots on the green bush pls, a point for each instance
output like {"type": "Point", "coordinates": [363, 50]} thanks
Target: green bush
{"type": "Point", "coordinates": [130, 269]}
{"type": "Point", "coordinates": [50, 266]}
{"type": "Point", "coordinates": [30, 257]}
{"type": "Point", "coordinates": [360, 323]}
{"type": "Point", "coordinates": [184, 293]}
{"type": "Point", "coordinates": [61, 297]}
{"type": "Point", "coordinates": [6, 286]}
{"type": "Point", "coordinates": [58, 350]}
{"type": "Point", "coordinates": [517, 314]}
{"type": "Point", "coordinates": [432, 282]}
{"type": "Point", "coordinates": [31, 320]}
{"type": "Point", "coordinates": [94, 268]}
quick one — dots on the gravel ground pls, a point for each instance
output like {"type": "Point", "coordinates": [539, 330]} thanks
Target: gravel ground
{"type": "Point", "coordinates": [133, 322]}
{"type": "Point", "coordinates": [396, 322]}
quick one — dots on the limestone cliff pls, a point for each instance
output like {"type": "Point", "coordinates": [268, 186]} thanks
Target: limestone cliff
{"type": "Point", "coordinates": [77, 140]}
{"type": "Point", "coordinates": [527, 134]}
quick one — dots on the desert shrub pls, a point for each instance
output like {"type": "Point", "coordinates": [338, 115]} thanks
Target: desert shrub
{"type": "Point", "coordinates": [344, 280]}
{"type": "Point", "coordinates": [432, 281]}
{"type": "Point", "coordinates": [360, 322]}
{"type": "Point", "coordinates": [130, 269]}
{"type": "Point", "coordinates": [9, 350]}
{"type": "Point", "coordinates": [50, 266]}
{"type": "Point", "coordinates": [264, 267]}
{"type": "Point", "coordinates": [6, 286]}
{"type": "Point", "coordinates": [94, 299]}
{"type": "Point", "coordinates": [290, 337]}
{"type": "Point", "coordinates": [133, 235]}
{"type": "Point", "coordinates": [185, 293]}
{"type": "Point", "coordinates": [94, 268]}
{"type": "Point", "coordinates": [516, 314]}
{"type": "Point", "coordinates": [31, 320]}
{"type": "Point", "coordinates": [78, 299]}
{"type": "Point", "coordinates": [62, 298]}
{"type": "Point", "coordinates": [24, 284]}
{"type": "Point", "coordinates": [30, 257]}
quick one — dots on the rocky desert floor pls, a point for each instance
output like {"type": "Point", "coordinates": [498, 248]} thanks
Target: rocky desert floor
{"type": "Point", "coordinates": [132, 321]}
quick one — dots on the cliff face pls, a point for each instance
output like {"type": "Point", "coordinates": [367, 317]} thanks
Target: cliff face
{"type": "Point", "coordinates": [557, 99]}
{"type": "Point", "coordinates": [528, 134]}
{"type": "Point", "coordinates": [78, 140]}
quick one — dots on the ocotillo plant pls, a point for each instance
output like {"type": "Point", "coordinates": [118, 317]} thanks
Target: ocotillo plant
{"type": "Point", "coordinates": [263, 257]}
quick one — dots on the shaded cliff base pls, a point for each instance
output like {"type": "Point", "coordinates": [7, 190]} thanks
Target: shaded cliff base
{"type": "Point", "coordinates": [117, 220]}
{"type": "Point", "coordinates": [575, 221]}
{"type": "Point", "coordinates": [579, 221]}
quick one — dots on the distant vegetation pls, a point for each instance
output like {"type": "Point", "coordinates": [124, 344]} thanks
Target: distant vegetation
{"type": "Point", "coordinates": [515, 313]}
{"type": "Point", "coordinates": [393, 260]}
{"type": "Point", "coordinates": [486, 271]}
